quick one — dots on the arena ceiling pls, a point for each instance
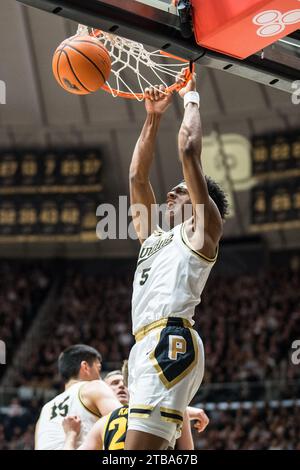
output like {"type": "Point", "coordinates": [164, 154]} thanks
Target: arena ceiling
{"type": "Point", "coordinates": [39, 113]}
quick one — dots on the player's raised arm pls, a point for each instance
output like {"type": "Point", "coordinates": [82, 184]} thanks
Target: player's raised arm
{"type": "Point", "coordinates": [190, 147]}
{"type": "Point", "coordinates": [141, 192]}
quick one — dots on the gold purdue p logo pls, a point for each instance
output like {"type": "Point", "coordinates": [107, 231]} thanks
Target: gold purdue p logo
{"type": "Point", "coordinates": [177, 345]}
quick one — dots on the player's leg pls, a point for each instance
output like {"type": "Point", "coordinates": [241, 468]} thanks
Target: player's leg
{"type": "Point", "coordinates": [146, 431]}
{"type": "Point", "coordinates": [139, 440]}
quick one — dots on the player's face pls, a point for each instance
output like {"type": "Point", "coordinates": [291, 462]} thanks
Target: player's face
{"type": "Point", "coordinates": [116, 383]}
{"type": "Point", "coordinates": [177, 198]}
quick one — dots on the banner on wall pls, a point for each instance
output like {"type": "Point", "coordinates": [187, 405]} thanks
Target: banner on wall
{"type": "Point", "coordinates": [49, 196]}
{"type": "Point", "coordinates": [275, 200]}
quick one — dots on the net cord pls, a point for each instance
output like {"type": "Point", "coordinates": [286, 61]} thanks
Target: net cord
{"type": "Point", "coordinates": [127, 54]}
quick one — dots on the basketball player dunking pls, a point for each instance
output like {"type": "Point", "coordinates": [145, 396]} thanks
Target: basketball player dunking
{"type": "Point", "coordinates": [166, 364]}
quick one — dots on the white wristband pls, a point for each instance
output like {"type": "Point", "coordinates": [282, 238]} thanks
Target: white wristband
{"type": "Point", "coordinates": [192, 97]}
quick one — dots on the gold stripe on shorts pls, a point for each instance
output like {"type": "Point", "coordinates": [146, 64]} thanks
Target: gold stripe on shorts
{"type": "Point", "coordinates": [142, 332]}
{"type": "Point", "coordinates": [171, 416]}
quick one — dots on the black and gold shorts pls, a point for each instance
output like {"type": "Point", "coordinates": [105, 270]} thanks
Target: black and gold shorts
{"type": "Point", "coordinates": [166, 368]}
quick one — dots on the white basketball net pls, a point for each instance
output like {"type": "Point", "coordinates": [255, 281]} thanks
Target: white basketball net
{"type": "Point", "coordinates": [131, 62]}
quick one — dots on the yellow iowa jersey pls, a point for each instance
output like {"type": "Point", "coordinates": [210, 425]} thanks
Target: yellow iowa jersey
{"type": "Point", "coordinates": [115, 429]}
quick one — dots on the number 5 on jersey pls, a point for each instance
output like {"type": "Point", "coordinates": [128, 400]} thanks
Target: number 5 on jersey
{"type": "Point", "coordinates": [144, 277]}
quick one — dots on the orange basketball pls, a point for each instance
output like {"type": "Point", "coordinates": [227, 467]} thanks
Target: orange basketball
{"type": "Point", "coordinates": [81, 65]}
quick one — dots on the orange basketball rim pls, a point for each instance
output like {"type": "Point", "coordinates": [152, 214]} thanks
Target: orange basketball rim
{"type": "Point", "coordinates": [134, 68]}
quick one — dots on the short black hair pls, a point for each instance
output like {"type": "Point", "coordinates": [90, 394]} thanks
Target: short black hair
{"type": "Point", "coordinates": [70, 360]}
{"type": "Point", "coordinates": [218, 196]}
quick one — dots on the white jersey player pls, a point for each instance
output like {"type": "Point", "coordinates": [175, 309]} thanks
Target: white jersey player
{"type": "Point", "coordinates": [85, 396]}
{"type": "Point", "coordinates": [166, 364]}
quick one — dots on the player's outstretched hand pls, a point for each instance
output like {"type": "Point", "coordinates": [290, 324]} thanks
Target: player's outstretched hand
{"type": "Point", "coordinates": [190, 86]}
{"type": "Point", "coordinates": [72, 424]}
{"type": "Point", "coordinates": [202, 420]}
{"type": "Point", "coordinates": [157, 100]}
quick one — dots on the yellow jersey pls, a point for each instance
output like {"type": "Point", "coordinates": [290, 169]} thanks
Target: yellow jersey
{"type": "Point", "coordinates": [114, 434]}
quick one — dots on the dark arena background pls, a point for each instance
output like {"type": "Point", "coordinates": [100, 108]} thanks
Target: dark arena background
{"type": "Point", "coordinates": [62, 156]}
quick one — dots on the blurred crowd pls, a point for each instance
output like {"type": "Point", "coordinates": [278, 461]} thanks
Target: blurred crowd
{"type": "Point", "coordinates": [17, 424]}
{"type": "Point", "coordinates": [252, 429]}
{"type": "Point", "coordinates": [255, 428]}
{"type": "Point", "coordinates": [91, 310]}
{"type": "Point", "coordinates": [21, 293]}
{"type": "Point", "coordinates": [247, 325]}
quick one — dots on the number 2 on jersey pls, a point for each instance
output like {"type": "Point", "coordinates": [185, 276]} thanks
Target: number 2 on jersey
{"type": "Point", "coordinates": [118, 439]}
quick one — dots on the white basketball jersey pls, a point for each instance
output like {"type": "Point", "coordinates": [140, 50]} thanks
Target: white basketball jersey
{"type": "Point", "coordinates": [169, 278]}
{"type": "Point", "coordinates": [49, 431]}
